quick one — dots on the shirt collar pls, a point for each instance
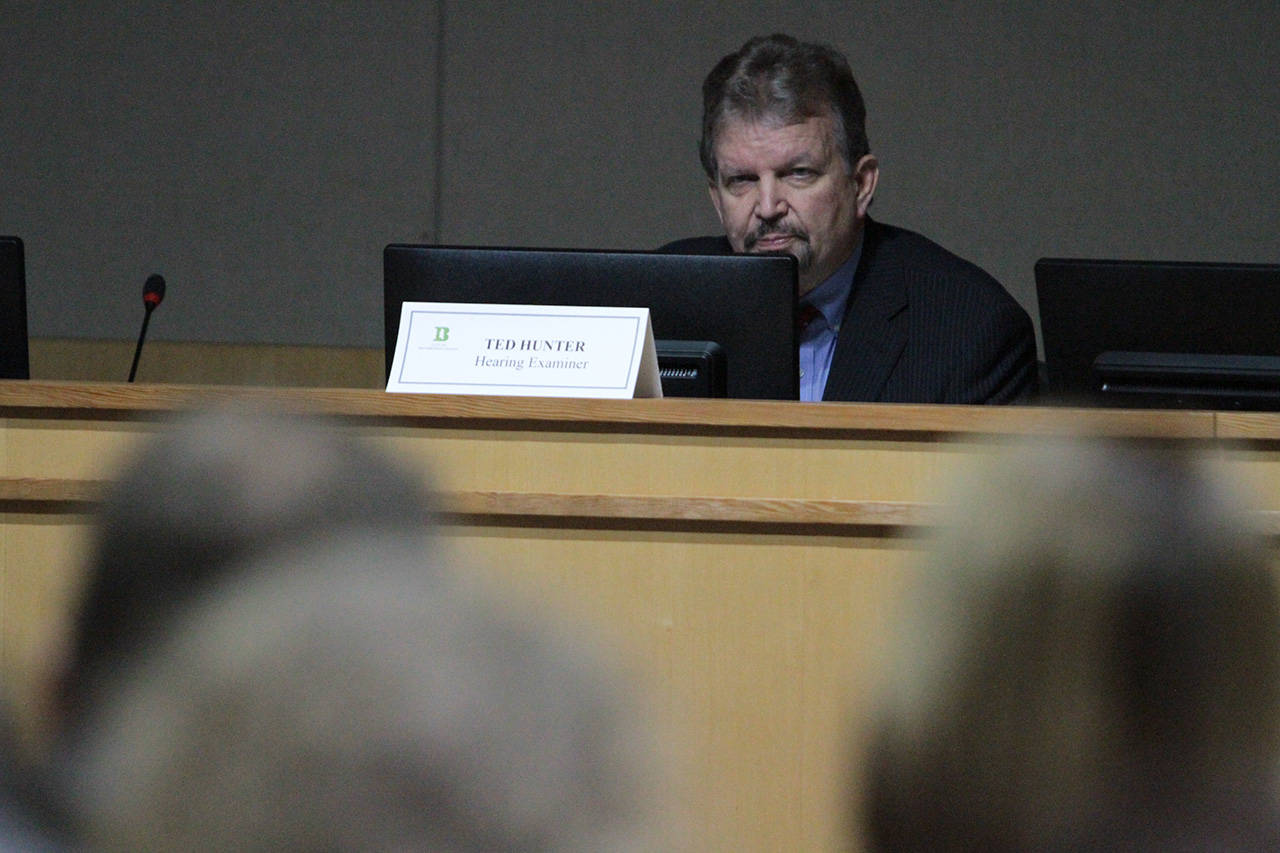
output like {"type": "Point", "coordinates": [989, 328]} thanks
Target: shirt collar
{"type": "Point", "coordinates": [831, 297]}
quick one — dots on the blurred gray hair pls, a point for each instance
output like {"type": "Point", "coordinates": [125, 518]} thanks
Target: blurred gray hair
{"type": "Point", "coordinates": [327, 701]}
{"type": "Point", "coordinates": [212, 490]}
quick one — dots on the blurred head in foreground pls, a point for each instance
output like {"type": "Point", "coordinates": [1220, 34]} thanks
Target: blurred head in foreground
{"type": "Point", "coordinates": [29, 818]}
{"type": "Point", "coordinates": [333, 699]}
{"type": "Point", "coordinates": [1093, 661]}
{"type": "Point", "coordinates": [212, 490]}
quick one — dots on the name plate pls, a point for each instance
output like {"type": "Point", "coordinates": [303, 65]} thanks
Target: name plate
{"type": "Point", "coordinates": [527, 350]}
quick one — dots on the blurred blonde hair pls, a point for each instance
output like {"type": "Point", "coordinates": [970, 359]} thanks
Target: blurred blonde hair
{"type": "Point", "coordinates": [1093, 656]}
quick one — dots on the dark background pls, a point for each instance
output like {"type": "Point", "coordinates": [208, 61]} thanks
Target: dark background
{"type": "Point", "coordinates": [260, 155]}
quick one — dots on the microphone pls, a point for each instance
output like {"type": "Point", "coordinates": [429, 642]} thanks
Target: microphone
{"type": "Point", "coordinates": [152, 294]}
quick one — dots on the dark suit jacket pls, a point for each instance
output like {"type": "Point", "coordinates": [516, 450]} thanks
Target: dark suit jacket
{"type": "Point", "coordinates": [921, 326]}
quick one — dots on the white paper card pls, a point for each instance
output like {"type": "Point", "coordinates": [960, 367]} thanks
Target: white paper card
{"type": "Point", "coordinates": [529, 350]}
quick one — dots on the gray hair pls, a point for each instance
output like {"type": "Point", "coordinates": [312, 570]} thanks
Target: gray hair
{"type": "Point", "coordinates": [777, 78]}
{"type": "Point", "coordinates": [333, 699]}
{"type": "Point", "coordinates": [213, 489]}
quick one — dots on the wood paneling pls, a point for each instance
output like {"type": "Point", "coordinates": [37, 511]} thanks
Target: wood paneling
{"type": "Point", "coordinates": [747, 557]}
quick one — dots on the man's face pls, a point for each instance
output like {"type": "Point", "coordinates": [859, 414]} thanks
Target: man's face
{"type": "Point", "coordinates": [786, 188]}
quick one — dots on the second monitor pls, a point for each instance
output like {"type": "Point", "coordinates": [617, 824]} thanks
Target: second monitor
{"type": "Point", "coordinates": [14, 362]}
{"type": "Point", "coordinates": [1162, 334]}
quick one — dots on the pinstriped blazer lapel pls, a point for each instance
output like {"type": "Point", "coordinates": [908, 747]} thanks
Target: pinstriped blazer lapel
{"type": "Point", "coordinates": [874, 331]}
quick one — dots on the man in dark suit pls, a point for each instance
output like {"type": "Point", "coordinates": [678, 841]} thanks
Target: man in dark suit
{"type": "Point", "coordinates": [887, 315]}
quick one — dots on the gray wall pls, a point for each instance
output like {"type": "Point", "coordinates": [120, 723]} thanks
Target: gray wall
{"type": "Point", "coordinates": [260, 155]}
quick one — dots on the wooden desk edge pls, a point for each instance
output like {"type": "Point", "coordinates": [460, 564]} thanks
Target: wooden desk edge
{"type": "Point", "coordinates": [494, 508]}
{"type": "Point", "coordinates": [58, 495]}
{"type": "Point", "coordinates": [85, 400]}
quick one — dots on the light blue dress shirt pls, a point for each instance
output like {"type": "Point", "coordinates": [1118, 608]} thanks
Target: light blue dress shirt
{"type": "Point", "coordinates": [818, 340]}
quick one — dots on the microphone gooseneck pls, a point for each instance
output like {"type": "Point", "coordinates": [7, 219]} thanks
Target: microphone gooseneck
{"type": "Point", "coordinates": [152, 295]}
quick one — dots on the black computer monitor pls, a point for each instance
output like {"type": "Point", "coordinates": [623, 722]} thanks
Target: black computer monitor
{"type": "Point", "coordinates": [13, 311]}
{"type": "Point", "coordinates": [743, 304]}
{"type": "Point", "coordinates": [1162, 334]}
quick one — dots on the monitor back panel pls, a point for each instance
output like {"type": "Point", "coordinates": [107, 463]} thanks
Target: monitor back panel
{"type": "Point", "coordinates": [744, 303]}
{"type": "Point", "coordinates": [1088, 307]}
{"type": "Point", "coordinates": [13, 311]}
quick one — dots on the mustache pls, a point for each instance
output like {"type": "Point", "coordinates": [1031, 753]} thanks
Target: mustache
{"type": "Point", "coordinates": [769, 229]}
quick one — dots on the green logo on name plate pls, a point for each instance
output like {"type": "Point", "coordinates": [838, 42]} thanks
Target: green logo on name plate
{"type": "Point", "coordinates": [442, 333]}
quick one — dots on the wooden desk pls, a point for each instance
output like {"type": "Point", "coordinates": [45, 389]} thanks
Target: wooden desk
{"type": "Point", "coordinates": [746, 554]}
